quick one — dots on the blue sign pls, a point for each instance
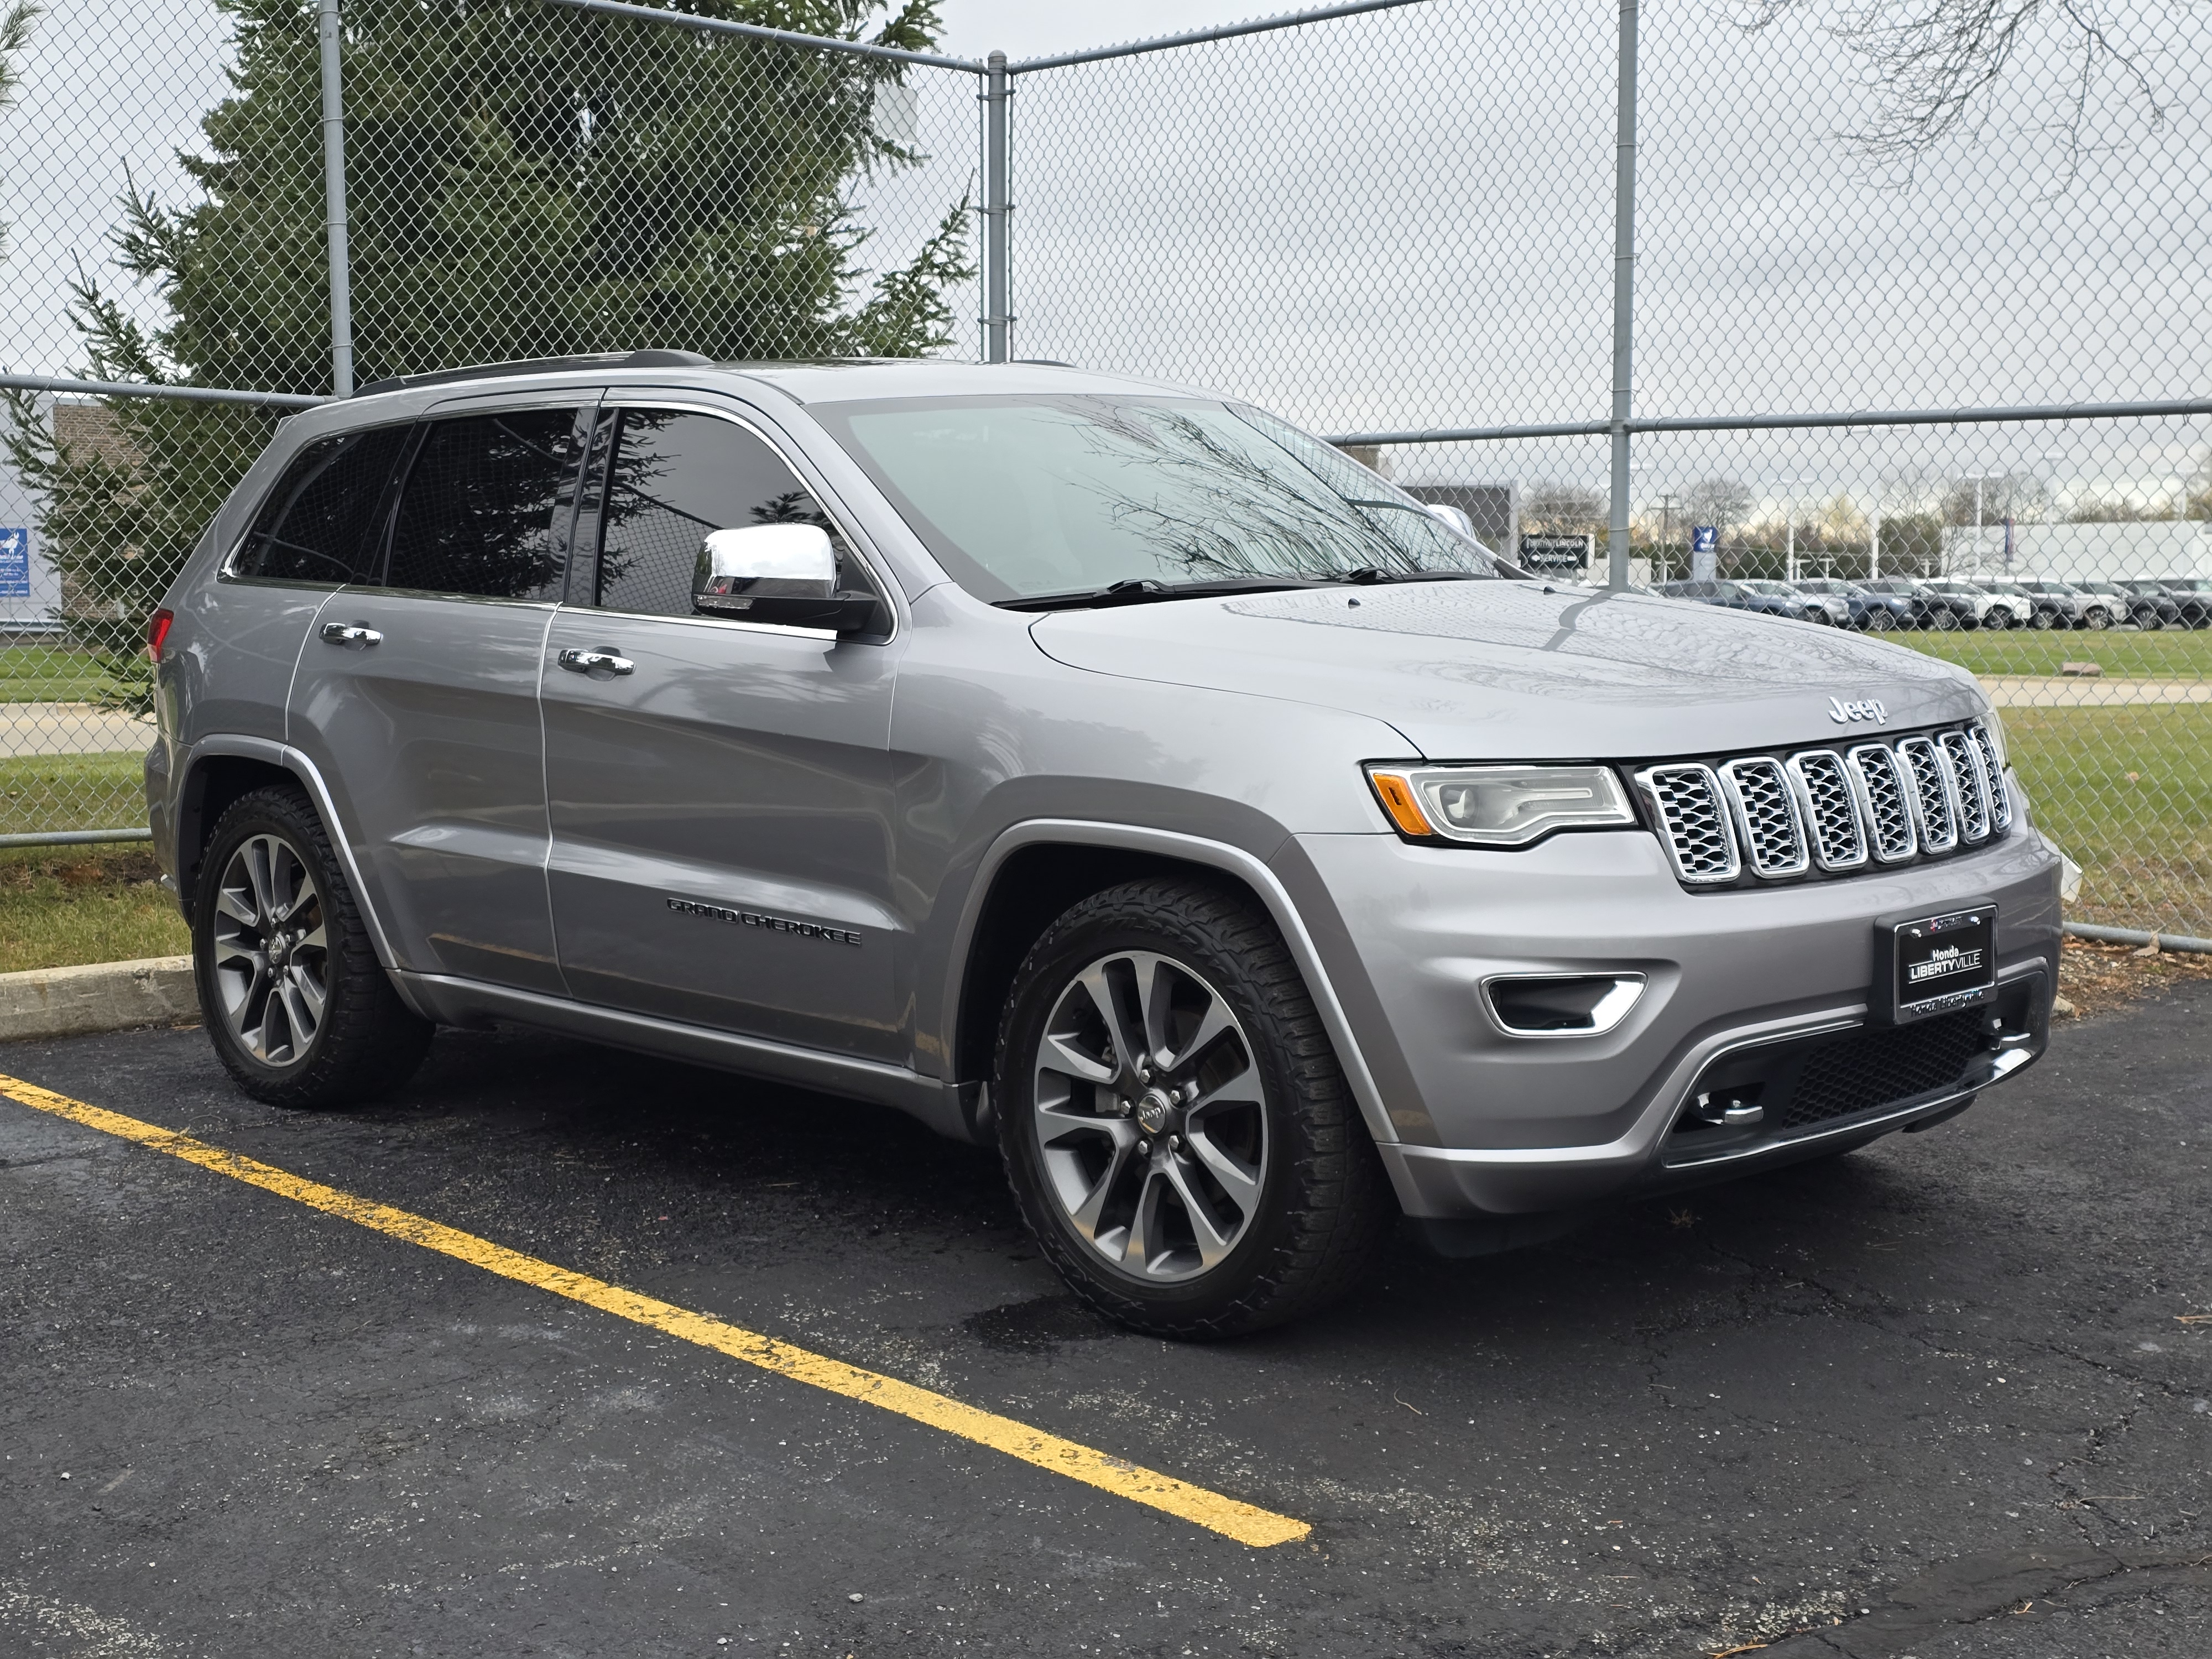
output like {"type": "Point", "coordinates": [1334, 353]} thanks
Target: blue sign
{"type": "Point", "coordinates": [15, 563]}
{"type": "Point", "coordinates": [1705, 539]}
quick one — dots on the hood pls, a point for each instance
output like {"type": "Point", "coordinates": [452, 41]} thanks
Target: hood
{"type": "Point", "coordinates": [1521, 670]}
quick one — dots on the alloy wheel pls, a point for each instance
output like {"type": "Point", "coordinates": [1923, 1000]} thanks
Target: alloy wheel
{"type": "Point", "coordinates": [271, 954]}
{"type": "Point", "coordinates": [1150, 1117]}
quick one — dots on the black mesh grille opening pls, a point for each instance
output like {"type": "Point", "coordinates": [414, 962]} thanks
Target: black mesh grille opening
{"type": "Point", "coordinates": [1873, 1067]}
{"type": "Point", "coordinates": [1807, 1084]}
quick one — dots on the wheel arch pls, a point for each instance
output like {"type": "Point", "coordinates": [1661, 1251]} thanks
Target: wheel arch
{"type": "Point", "coordinates": [220, 770]}
{"type": "Point", "coordinates": [1036, 870]}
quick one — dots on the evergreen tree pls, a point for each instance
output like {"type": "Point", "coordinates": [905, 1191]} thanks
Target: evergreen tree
{"type": "Point", "coordinates": [524, 180]}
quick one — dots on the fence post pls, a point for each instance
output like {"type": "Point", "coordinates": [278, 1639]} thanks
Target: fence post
{"type": "Point", "coordinates": [334, 199]}
{"type": "Point", "coordinates": [998, 286]}
{"type": "Point", "coordinates": [1624, 296]}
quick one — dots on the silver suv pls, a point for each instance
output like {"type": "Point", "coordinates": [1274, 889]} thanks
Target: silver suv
{"type": "Point", "coordinates": [1101, 770]}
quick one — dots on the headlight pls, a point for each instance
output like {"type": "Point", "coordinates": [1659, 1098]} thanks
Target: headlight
{"type": "Point", "coordinates": [1499, 806]}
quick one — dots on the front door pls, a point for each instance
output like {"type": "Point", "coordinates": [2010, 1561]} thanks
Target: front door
{"type": "Point", "coordinates": [417, 698]}
{"type": "Point", "coordinates": [720, 792]}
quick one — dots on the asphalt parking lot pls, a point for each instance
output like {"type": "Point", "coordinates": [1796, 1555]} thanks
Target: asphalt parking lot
{"type": "Point", "coordinates": [1948, 1396]}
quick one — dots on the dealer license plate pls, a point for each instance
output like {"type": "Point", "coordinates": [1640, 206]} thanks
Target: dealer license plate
{"type": "Point", "coordinates": [1932, 964]}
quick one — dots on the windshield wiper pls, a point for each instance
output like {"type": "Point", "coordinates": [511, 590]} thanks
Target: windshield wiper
{"type": "Point", "coordinates": [1146, 591]}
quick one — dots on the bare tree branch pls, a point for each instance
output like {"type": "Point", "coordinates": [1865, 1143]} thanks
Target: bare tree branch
{"type": "Point", "coordinates": [1941, 62]}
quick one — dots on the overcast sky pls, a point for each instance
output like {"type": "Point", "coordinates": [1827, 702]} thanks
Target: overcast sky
{"type": "Point", "coordinates": [1405, 220]}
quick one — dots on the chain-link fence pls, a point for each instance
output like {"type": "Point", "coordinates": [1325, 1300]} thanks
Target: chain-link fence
{"type": "Point", "coordinates": [1920, 356]}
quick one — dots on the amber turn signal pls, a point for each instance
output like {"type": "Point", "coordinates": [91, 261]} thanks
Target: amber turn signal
{"type": "Point", "coordinates": [1399, 802]}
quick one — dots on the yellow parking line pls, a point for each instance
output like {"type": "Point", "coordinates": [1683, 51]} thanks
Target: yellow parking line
{"type": "Point", "coordinates": [1244, 1522]}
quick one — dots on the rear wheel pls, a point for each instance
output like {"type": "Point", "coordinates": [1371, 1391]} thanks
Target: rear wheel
{"type": "Point", "coordinates": [1881, 620]}
{"type": "Point", "coordinates": [298, 1010]}
{"type": "Point", "coordinates": [2097, 617]}
{"type": "Point", "coordinates": [1173, 1122]}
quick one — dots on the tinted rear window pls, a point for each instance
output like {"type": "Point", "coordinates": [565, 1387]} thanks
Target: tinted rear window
{"type": "Point", "coordinates": [486, 506]}
{"type": "Point", "coordinates": [316, 524]}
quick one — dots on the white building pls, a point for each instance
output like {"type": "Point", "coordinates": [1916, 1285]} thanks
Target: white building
{"type": "Point", "coordinates": [2087, 552]}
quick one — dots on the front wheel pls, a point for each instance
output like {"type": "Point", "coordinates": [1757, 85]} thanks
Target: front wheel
{"type": "Point", "coordinates": [299, 1010]}
{"type": "Point", "coordinates": [1173, 1122]}
{"type": "Point", "coordinates": [1881, 620]}
{"type": "Point", "coordinates": [2097, 619]}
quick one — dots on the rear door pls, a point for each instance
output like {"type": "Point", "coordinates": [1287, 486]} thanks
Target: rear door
{"type": "Point", "coordinates": [418, 697]}
{"type": "Point", "coordinates": [720, 792]}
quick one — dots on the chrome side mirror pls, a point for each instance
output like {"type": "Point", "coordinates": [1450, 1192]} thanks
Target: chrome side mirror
{"type": "Point", "coordinates": [763, 561]}
{"type": "Point", "coordinates": [1455, 517]}
{"type": "Point", "coordinates": [785, 574]}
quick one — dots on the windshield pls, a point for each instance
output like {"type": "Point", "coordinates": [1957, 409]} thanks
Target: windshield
{"type": "Point", "coordinates": [1772, 590]}
{"type": "Point", "coordinates": [1023, 498]}
{"type": "Point", "coordinates": [1826, 585]}
{"type": "Point", "coordinates": [2105, 588]}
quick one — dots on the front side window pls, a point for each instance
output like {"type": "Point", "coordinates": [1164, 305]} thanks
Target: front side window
{"type": "Point", "coordinates": [1025, 498]}
{"type": "Point", "coordinates": [677, 476]}
{"type": "Point", "coordinates": [317, 525]}
{"type": "Point", "coordinates": [487, 503]}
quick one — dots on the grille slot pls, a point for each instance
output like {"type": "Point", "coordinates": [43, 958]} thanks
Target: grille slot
{"type": "Point", "coordinates": [1966, 769]}
{"type": "Point", "coordinates": [1830, 809]}
{"type": "Point", "coordinates": [2000, 798]}
{"type": "Point", "coordinates": [1766, 816]}
{"type": "Point", "coordinates": [1882, 785]}
{"type": "Point", "coordinates": [1694, 822]}
{"type": "Point", "coordinates": [1934, 814]}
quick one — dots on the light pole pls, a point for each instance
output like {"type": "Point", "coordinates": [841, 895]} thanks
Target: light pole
{"type": "Point", "coordinates": [1790, 517]}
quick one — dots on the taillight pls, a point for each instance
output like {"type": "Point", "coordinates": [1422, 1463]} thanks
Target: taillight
{"type": "Point", "coordinates": [157, 629]}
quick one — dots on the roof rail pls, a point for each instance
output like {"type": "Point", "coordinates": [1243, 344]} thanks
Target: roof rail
{"type": "Point", "coordinates": [651, 358]}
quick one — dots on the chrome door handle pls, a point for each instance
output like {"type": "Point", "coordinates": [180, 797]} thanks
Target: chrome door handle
{"type": "Point", "coordinates": [350, 634]}
{"type": "Point", "coordinates": [583, 662]}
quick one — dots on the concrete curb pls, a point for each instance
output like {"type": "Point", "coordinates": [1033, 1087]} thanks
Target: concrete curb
{"type": "Point", "coordinates": [105, 996]}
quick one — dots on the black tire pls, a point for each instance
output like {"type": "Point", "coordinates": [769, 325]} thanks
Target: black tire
{"type": "Point", "coordinates": [1881, 620]}
{"type": "Point", "coordinates": [362, 1041]}
{"type": "Point", "coordinates": [2097, 617]}
{"type": "Point", "coordinates": [1324, 1207]}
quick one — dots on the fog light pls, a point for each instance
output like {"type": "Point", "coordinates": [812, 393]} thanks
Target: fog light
{"type": "Point", "coordinates": [1561, 1005]}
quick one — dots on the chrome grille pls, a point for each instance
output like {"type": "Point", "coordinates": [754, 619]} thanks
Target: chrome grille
{"type": "Point", "coordinates": [1973, 791]}
{"type": "Point", "coordinates": [1775, 817]}
{"type": "Point", "coordinates": [1882, 786]}
{"type": "Point", "coordinates": [1934, 814]}
{"type": "Point", "coordinates": [2000, 798]}
{"type": "Point", "coordinates": [1694, 823]}
{"type": "Point", "coordinates": [1824, 794]}
{"type": "Point", "coordinates": [1766, 813]}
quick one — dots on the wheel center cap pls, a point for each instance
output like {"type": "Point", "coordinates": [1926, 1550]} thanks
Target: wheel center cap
{"type": "Point", "coordinates": [276, 951]}
{"type": "Point", "coordinates": [1155, 1108]}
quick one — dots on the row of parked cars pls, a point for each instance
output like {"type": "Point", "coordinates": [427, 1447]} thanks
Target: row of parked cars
{"type": "Point", "coordinates": [1951, 602]}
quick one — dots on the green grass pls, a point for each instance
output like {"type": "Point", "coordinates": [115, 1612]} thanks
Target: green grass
{"type": "Point", "coordinates": [48, 673]}
{"type": "Point", "coordinates": [62, 906]}
{"type": "Point", "coordinates": [2167, 654]}
{"type": "Point", "coordinates": [44, 793]}
{"type": "Point", "coordinates": [2127, 793]}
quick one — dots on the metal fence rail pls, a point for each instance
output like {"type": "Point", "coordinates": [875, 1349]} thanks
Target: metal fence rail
{"type": "Point", "coordinates": [1609, 279]}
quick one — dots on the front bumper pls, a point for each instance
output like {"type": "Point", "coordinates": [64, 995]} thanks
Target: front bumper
{"type": "Point", "coordinates": [1490, 1123]}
